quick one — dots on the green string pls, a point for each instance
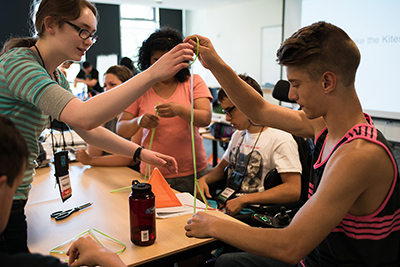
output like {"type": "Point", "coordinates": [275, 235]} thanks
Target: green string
{"type": "Point", "coordinates": [120, 189]}
{"type": "Point", "coordinates": [198, 48]}
{"type": "Point", "coordinates": [148, 167]}
{"type": "Point", "coordinates": [90, 231]}
{"type": "Point", "coordinates": [196, 183]}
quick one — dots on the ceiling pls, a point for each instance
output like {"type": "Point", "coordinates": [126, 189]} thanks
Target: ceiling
{"type": "Point", "coordinates": [173, 4]}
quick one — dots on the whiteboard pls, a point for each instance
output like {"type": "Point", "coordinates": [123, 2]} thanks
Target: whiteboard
{"type": "Point", "coordinates": [374, 27]}
{"type": "Point", "coordinates": [271, 38]}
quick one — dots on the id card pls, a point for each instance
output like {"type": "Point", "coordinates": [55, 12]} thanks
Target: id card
{"type": "Point", "coordinates": [65, 187]}
{"type": "Point", "coordinates": [225, 194]}
{"type": "Point", "coordinates": [234, 183]}
{"type": "Point", "coordinates": [62, 175]}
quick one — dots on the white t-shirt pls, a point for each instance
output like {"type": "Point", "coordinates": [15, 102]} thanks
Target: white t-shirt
{"type": "Point", "coordinates": [274, 149]}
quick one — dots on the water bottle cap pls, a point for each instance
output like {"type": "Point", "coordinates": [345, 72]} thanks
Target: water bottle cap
{"type": "Point", "coordinates": [140, 187]}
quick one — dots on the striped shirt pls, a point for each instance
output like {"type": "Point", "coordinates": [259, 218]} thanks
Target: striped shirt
{"type": "Point", "coordinates": [28, 96]}
{"type": "Point", "coordinates": [372, 240]}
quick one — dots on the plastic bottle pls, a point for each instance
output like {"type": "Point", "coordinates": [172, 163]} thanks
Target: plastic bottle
{"type": "Point", "coordinates": [142, 214]}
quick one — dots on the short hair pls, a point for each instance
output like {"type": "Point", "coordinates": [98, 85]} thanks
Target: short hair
{"type": "Point", "coordinates": [86, 64]}
{"type": "Point", "coordinates": [221, 92]}
{"type": "Point", "coordinates": [14, 151]}
{"type": "Point", "coordinates": [163, 39]}
{"type": "Point", "coordinates": [123, 73]}
{"type": "Point", "coordinates": [127, 62]}
{"type": "Point", "coordinates": [321, 47]}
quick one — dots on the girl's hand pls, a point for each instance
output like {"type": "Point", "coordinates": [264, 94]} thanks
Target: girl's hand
{"type": "Point", "coordinates": [207, 54]}
{"type": "Point", "coordinates": [148, 121]}
{"type": "Point", "coordinates": [171, 62]}
{"type": "Point", "coordinates": [170, 110]}
{"type": "Point", "coordinates": [83, 157]}
{"type": "Point", "coordinates": [159, 160]}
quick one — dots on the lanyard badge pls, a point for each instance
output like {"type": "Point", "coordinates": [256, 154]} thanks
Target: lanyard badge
{"type": "Point", "coordinates": [236, 178]}
{"type": "Point", "coordinates": [233, 186]}
{"type": "Point", "coordinates": [62, 175]}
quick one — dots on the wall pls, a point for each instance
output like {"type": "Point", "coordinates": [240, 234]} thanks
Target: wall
{"type": "Point", "coordinates": [171, 17]}
{"type": "Point", "coordinates": [14, 20]}
{"type": "Point", "coordinates": [235, 31]}
{"type": "Point", "coordinates": [108, 30]}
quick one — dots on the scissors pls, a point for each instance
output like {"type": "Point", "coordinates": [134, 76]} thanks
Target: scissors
{"type": "Point", "coordinates": [62, 214]}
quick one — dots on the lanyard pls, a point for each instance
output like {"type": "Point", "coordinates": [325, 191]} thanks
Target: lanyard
{"type": "Point", "coordinates": [44, 66]}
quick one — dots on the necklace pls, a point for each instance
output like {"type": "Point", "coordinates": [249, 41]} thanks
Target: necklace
{"type": "Point", "coordinates": [44, 66]}
{"type": "Point", "coordinates": [258, 125]}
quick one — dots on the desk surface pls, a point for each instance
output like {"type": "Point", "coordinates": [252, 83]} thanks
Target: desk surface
{"type": "Point", "coordinates": [108, 214]}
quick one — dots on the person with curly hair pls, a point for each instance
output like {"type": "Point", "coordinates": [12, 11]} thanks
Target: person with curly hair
{"type": "Point", "coordinates": [171, 98]}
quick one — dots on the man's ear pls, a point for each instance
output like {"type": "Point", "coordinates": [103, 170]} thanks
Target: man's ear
{"type": "Point", "coordinates": [329, 81]}
{"type": "Point", "coordinates": [3, 180]}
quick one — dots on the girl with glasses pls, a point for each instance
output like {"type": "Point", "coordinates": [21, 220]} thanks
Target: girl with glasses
{"type": "Point", "coordinates": [33, 91]}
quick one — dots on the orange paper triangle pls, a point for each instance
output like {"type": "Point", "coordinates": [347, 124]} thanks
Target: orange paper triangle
{"type": "Point", "coordinates": [165, 197]}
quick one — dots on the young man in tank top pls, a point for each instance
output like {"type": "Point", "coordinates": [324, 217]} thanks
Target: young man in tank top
{"type": "Point", "coordinates": [352, 215]}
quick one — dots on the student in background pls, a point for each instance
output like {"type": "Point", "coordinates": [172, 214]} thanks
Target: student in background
{"type": "Point", "coordinates": [64, 66]}
{"type": "Point", "coordinates": [352, 215]}
{"type": "Point", "coordinates": [89, 76]}
{"type": "Point", "coordinates": [127, 62]}
{"type": "Point", "coordinates": [253, 151]}
{"type": "Point", "coordinates": [33, 91]}
{"type": "Point", "coordinates": [171, 98]}
{"type": "Point", "coordinates": [14, 156]}
{"type": "Point", "coordinates": [114, 76]}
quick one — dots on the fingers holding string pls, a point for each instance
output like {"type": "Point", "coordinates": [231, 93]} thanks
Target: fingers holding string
{"type": "Point", "coordinates": [173, 61]}
{"type": "Point", "coordinates": [183, 52]}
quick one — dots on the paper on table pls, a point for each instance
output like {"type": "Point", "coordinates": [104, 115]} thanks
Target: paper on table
{"type": "Point", "coordinates": [187, 201]}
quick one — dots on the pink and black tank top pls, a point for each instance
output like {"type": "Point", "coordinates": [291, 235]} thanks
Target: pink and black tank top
{"type": "Point", "coordinates": [372, 240]}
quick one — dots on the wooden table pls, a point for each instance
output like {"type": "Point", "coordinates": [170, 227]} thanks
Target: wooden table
{"type": "Point", "coordinates": [108, 214]}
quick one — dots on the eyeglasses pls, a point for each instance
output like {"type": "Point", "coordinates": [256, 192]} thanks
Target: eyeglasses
{"type": "Point", "coordinates": [228, 111]}
{"type": "Point", "coordinates": [84, 34]}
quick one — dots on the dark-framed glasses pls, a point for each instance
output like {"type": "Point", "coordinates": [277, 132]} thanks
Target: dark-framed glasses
{"type": "Point", "coordinates": [84, 34]}
{"type": "Point", "coordinates": [228, 111]}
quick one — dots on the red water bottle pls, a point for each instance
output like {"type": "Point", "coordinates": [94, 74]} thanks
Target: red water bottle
{"type": "Point", "coordinates": [142, 214]}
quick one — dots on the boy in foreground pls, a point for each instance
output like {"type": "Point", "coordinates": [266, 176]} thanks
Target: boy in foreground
{"type": "Point", "coordinates": [13, 161]}
{"type": "Point", "coordinates": [352, 215]}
